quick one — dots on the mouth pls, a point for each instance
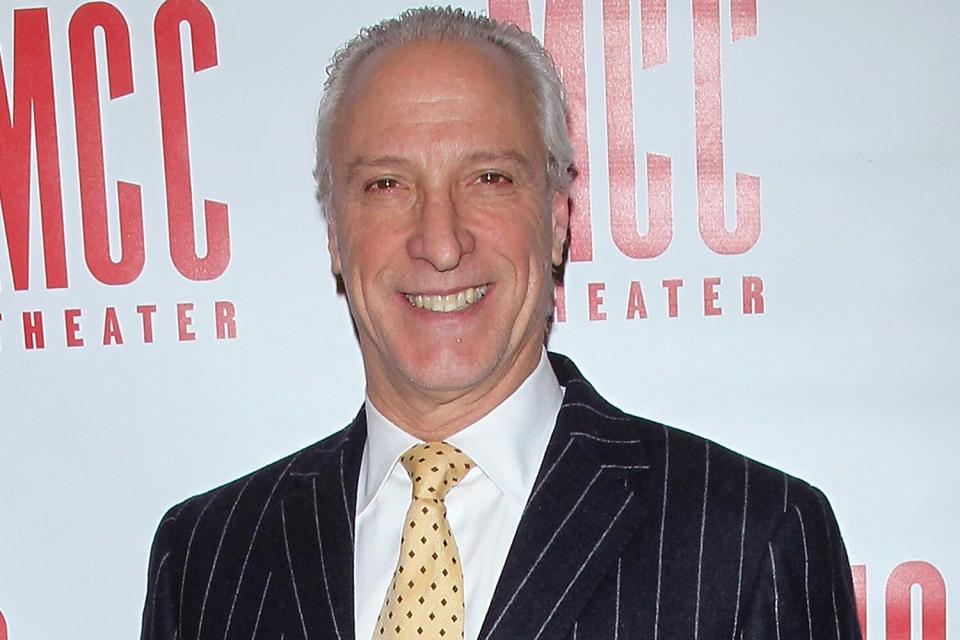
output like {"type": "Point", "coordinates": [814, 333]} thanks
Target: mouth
{"type": "Point", "coordinates": [447, 303]}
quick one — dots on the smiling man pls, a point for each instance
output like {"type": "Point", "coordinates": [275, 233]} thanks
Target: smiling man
{"type": "Point", "coordinates": [444, 226]}
{"type": "Point", "coordinates": [485, 490]}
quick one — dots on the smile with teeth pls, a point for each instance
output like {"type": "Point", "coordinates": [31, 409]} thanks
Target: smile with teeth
{"type": "Point", "coordinates": [449, 302]}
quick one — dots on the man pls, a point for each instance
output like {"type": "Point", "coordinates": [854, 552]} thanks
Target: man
{"type": "Point", "coordinates": [539, 510]}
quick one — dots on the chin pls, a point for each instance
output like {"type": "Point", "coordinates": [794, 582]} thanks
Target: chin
{"type": "Point", "coordinates": [450, 369]}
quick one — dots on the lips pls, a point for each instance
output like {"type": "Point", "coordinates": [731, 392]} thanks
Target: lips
{"type": "Point", "coordinates": [447, 303]}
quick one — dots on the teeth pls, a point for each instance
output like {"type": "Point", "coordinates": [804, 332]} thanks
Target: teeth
{"type": "Point", "coordinates": [450, 302]}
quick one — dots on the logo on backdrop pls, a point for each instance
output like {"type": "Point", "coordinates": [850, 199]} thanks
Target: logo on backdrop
{"type": "Point", "coordinates": [27, 111]}
{"type": "Point", "coordinates": [563, 36]}
{"type": "Point", "coordinates": [898, 614]}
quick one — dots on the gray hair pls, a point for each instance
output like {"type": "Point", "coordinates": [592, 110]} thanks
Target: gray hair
{"type": "Point", "coordinates": [438, 23]}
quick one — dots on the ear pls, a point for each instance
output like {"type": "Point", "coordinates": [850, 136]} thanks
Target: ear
{"type": "Point", "coordinates": [560, 221]}
{"type": "Point", "coordinates": [332, 247]}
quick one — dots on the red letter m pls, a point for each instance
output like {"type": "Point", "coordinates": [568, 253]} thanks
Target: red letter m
{"type": "Point", "coordinates": [32, 105]}
{"type": "Point", "coordinates": [563, 38]}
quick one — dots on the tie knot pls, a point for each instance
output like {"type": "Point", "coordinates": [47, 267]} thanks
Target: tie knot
{"type": "Point", "coordinates": [435, 468]}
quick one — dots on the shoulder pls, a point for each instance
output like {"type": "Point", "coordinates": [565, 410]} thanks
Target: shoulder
{"type": "Point", "coordinates": [242, 503]}
{"type": "Point", "coordinates": [228, 532]}
{"type": "Point", "coordinates": [734, 485]}
{"type": "Point", "coordinates": [693, 470]}
{"type": "Point", "coordinates": [731, 489]}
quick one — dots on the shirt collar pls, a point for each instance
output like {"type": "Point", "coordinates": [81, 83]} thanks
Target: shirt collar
{"type": "Point", "coordinates": [507, 444]}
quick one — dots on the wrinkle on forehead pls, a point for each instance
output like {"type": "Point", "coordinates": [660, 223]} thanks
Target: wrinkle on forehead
{"type": "Point", "coordinates": [433, 103]}
{"type": "Point", "coordinates": [443, 72]}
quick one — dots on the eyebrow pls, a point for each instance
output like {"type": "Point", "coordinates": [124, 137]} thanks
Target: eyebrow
{"type": "Point", "coordinates": [477, 156]}
{"type": "Point", "coordinates": [376, 161]}
{"type": "Point", "coordinates": [492, 156]}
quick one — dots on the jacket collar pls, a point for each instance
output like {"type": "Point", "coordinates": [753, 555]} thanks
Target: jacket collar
{"type": "Point", "coordinates": [583, 510]}
{"type": "Point", "coordinates": [317, 533]}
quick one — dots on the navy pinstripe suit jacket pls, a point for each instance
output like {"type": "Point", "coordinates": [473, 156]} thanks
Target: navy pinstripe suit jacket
{"type": "Point", "coordinates": [633, 530]}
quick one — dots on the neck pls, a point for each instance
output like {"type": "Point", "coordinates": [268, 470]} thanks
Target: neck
{"type": "Point", "coordinates": [434, 416]}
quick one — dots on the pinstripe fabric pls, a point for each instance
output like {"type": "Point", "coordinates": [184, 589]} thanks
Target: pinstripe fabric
{"type": "Point", "coordinates": [633, 530]}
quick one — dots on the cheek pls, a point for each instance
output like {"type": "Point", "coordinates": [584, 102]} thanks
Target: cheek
{"type": "Point", "coordinates": [360, 249]}
{"type": "Point", "coordinates": [528, 254]}
{"type": "Point", "coordinates": [355, 273]}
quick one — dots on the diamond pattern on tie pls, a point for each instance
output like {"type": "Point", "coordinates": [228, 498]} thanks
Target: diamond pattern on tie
{"type": "Point", "coordinates": [425, 597]}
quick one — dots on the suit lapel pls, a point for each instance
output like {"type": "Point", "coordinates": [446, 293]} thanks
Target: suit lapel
{"type": "Point", "coordinates": [583, 510]}
{"type": "Point", "coordinates": [317, 529]}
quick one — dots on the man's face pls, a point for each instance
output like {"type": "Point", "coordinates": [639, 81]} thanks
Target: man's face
{"type": "Point", "coordinates": [443, 226]}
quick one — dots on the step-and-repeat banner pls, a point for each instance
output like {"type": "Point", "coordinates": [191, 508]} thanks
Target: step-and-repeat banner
{"type": "Point", "coordinates": [763, 251]}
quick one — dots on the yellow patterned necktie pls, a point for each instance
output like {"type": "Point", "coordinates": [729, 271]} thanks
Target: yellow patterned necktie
{"type": "Point", "coordinates": [425, 597]}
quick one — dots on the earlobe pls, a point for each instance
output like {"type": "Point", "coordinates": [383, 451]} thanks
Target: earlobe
{"type": "Point", "coordinates": [561, 225]}
{"type": "Point", "coordinates": [333, 248]}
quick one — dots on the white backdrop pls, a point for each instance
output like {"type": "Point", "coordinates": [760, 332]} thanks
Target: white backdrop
{"type": "Point", "coordinates": [847, 112]}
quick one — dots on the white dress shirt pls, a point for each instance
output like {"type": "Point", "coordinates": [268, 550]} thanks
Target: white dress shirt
{"type": "Point", "coordinates": [484, 510]}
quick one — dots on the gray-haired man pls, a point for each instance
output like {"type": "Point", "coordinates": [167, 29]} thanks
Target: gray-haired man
{"type": "Point", "coordinates": [485, 490]}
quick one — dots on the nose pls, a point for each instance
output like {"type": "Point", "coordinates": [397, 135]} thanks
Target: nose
{"type": "Point", "coordinates": [440, 237]}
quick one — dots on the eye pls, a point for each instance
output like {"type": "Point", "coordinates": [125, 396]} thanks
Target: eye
{"type": "Point", "coordinates": [382, 184]}
{"type": "Point", "coordinates": [493, 177]}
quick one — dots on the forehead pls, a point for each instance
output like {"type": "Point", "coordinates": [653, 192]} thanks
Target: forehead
{"type": "Point", "coordinates": [430, 83]}
{"type": "Point", "coordinates": [453, 65]}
